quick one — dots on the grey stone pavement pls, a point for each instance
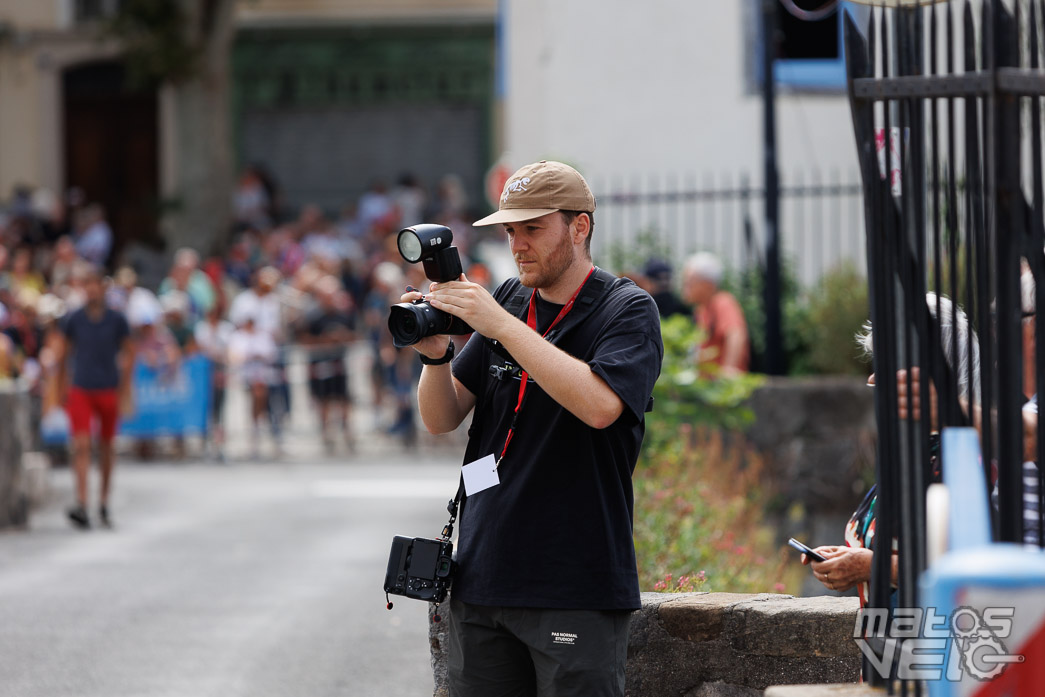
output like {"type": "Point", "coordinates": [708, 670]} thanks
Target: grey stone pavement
{"type": "Point", "coordinates": [246, 578]}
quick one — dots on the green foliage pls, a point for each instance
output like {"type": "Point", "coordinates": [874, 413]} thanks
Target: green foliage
{"type": "Point", "coordinates": [155, 40]}
{"type": "Point", "coordinates": [838, 308]}
{"type": "Point", "coordinates": [699, 521]}
{"type": "Point", "coordinates": [632, 257]}
{"type": "Point", "coordinates": [683, 584]}
{"type": "Point", "coordinates": [748, 286]}
{"type": "Point", "coordinates": [698, 499]}
{"type": "Point", "coordinates": [685, 396]}
{"type": "Point", "coordinates": [818, 324]}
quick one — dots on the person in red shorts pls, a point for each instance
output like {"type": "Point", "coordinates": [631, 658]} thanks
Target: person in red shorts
{"type": "Point", "coordinates": [99, 349]}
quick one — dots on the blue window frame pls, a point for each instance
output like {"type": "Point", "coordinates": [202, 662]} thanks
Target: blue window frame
{"type": "Point", "coordinates": [809, 74]}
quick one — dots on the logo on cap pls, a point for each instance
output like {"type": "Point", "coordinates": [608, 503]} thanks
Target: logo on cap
{"type": "Point", "coordinates": [514, 187]}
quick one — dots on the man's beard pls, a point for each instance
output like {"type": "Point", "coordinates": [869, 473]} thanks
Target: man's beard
{"type": "Point", "coordinates": [554, 266]}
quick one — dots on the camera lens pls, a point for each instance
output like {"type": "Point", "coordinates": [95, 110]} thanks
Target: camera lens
{"type": "Point", "coordinates": [408, 323]}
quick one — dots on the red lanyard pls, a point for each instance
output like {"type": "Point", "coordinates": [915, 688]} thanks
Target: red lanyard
{"type": "Point", "coordinates": [531, 322]}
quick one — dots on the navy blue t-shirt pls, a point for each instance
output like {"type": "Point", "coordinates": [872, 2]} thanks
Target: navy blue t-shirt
{"type": "Point", "coordinates": [557, 531]}
{"type": "Point", "coordinates": [95, 345]}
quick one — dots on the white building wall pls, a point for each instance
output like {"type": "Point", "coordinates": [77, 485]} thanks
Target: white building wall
{"type": "Point", "coordinates": [655, 95]}
{"type": "Point", "coordinates": [618, 86]}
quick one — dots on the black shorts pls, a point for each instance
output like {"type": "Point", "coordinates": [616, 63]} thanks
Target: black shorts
{"type": "Point", "coordinates": [329, 389]}
{"type": "Point", "coordinates": [217, 403]}
{"type": "Point", "coordinates": [527, 651]}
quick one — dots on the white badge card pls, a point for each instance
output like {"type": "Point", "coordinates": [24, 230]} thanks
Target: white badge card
{"type": "Point", "coordinates": [480, 475]}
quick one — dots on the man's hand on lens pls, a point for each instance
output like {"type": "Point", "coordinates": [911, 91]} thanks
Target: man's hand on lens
{"type": "Point", "coordinates": [472, 303]}
{"type": "Point", "coordinates": [433, 347]}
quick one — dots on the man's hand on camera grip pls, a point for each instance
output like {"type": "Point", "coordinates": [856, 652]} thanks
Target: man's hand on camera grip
{"type": "Point", "coordinates": [472, 303]}
{"type": "Point", "coordinates": [433, 347]}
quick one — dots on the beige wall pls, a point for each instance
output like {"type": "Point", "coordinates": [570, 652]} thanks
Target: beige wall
{"type": "Point", "coordinates": [25, 93]}
{"type": "Point", "coordinates": [38, 46]}
{"type": "Point", "coordinates": [32, 15]}
{"type": "Point", "coordinates": [19, 120]}
{"type": "Point", "coordinates": [31, 123]}
{"type": "Point", "coordinates": [308, 11]}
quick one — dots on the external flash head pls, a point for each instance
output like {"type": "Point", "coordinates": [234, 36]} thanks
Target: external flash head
{"type": "Point", "coordinates": [431, 245]}
{"type": "Point", "coordinates": [420, 242]}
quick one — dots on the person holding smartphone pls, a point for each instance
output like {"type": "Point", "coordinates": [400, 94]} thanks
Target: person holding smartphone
{"type": "Point", "coordinates": [848, 566]}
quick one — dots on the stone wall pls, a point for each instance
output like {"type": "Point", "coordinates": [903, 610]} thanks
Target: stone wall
{"type": "Point", "coordinates": [817, 436]}
{"type": "Point", "coordinates": [723, 644]}
{"type": "Point", "coordinates": [14, 440]}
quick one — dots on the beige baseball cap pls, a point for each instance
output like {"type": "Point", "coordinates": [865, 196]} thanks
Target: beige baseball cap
{"type": "Point", "coordinates": [539, 189]}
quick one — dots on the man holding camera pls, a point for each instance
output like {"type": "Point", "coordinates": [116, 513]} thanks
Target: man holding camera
{"type": "Point", "coordinates": [560, 372]}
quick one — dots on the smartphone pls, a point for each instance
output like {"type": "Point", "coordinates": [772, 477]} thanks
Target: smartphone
{"type": "Point", "coordinates": [805, 550]}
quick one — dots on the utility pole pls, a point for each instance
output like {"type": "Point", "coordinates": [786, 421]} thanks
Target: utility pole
{"type": "Point", "coordinates": [771, 292]}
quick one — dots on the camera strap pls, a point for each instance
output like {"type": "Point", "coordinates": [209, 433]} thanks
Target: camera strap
{"type": "Point", "coordinates": [598, 286]}
{"type": "Point", "coordinates": [531, 322]}
{"type": "Point", "coordinates": [452, 508]}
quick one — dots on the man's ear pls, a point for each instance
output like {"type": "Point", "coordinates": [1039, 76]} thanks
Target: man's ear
{"type": "Point", "coordinates": [580, 228]}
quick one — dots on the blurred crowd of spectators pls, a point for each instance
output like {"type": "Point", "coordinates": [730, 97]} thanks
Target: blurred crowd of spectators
{"type": "Point", "coordinates": [310, 280]}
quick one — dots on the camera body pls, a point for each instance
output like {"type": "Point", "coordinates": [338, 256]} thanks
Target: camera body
{"type": "Point", "coordinates": [420, 568]}
{"type": "Point", "coordinates": [431, 245]}
{"type": "Point", "coordinates": [411, 322]}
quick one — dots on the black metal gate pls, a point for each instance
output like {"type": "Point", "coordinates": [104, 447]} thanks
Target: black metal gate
{"type": "Point", "coordinates": [946, 104]}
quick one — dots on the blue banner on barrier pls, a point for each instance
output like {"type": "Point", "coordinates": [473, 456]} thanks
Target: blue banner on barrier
{"type": "Point", "coordinates": [170, 404]}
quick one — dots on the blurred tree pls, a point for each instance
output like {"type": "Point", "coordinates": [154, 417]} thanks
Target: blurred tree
{"type": "Point", "coordinates": [183, 47]}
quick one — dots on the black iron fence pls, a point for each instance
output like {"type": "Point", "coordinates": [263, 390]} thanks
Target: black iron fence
{"type": "Point", "coordinates": [821, 220]}
{"type": "Point", "coordinates": [952, 91]}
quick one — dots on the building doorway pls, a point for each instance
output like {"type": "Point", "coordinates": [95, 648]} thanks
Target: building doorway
{"type": "Point", "coordinates": [112, 149]}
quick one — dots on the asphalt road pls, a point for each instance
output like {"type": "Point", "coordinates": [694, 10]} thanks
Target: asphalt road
{"type": "Point", "coordinates": [224, 580]}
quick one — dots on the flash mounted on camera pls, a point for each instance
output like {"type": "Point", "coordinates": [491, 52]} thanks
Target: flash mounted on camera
{"type": "Point", "coordinates": [432, 246]}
